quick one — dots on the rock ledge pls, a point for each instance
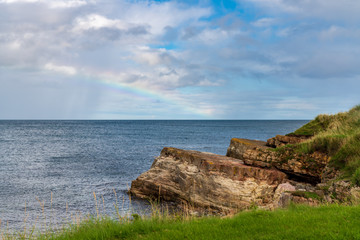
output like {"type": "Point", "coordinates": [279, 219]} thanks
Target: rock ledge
{"type": "Point", "coordinates": [208, 181]}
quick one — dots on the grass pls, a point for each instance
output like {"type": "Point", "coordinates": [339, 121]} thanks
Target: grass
{"type": "Point", "coordinates": [337, 136]}
{"type": "Point", "coordinates": [319, 124]}
{"type": "Point", "coordinates": [306, 194]}
{"type": "Point", "coordinates": [297, 222]}
{"type": "Point", "coordinates": [46, 223]}
{"type": "Point", "coordinates": [324, 122]}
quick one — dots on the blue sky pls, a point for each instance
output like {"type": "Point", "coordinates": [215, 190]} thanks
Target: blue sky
{"type": "Point", "coordinates": [205, 59]}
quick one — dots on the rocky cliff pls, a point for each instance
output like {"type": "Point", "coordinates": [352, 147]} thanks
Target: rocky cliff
{"type": "Point", "coordinates": [317, 163]}
{"type": "Point", "coordinates": [252, 174]}
{"type": "Point", "coordinates": [220, 184]}
{"type": "Point", "coordinates": [208, 181]}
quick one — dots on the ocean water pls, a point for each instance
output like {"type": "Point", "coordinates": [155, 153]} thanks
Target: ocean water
{"type": "Point", "coordinates": [50, 170]}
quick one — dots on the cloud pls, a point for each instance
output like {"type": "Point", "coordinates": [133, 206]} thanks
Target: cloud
{"type": "Point", "coordinates": [226, 63]}
{"type": "Point", "coordinates": [332, 10]}
{"type": "Point", "coordinates": [294, 104]}
{"type": "Point", "coordinates": [67, 4]}
{"type": "Point", "coordinates": [162, 15]}
{"type": "Point", "coordinates": [60, 69]}
{"type": "Point", "coordinates": [264, 22]}
{"type": "Point", "coordinates": [95, 21]}
{"type": "Point", "coordinates": [51, 4]}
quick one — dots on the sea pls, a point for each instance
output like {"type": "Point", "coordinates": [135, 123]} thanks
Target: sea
{"type": "Point", "coordinates": [56, 172]}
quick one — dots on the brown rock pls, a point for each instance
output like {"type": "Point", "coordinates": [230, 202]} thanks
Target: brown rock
{"type": "Point", "coordinates": [308, 167]}
{"type": "Point", "coordinates": [207, 181]}
{"type": "Point", "coordinates": [282, 196]}
{"type": "Point", "coordinates": [303, 200]}
{"type": "Point", "coordinates": [280, 140]}
{"type": "Point", "coordinates": [239, 146]}
{"type": "Point", "coordinates": [340, 191]}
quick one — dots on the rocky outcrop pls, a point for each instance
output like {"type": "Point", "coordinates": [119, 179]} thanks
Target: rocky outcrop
{"type": "Point", "coordinates": [208, 181]}
{"type": "Point", "coordinates": [310, 174]}
{"type": "Point", "coordinates": [253, 173]}
{"type": "Point", "coordinates": [304, 167]}
{"type": "Point", "coordinates": [280, 140]}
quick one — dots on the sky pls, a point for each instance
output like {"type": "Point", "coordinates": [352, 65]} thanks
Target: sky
{"type": "Point", "coordinates": [204, 59]}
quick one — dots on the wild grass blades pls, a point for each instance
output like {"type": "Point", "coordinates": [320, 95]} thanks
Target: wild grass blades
{"type": "Point", "coordinates": [128, 190]}
{"type": "Point", "coordinates": [132, 225]}
{"type": "Point", "coordinates": [116, 206]}
{"type": "Point", "coordinates": [103, 202]}
{"type": "Point", "coordinates": [27, 234]}
{"type": "Point", "coordinates": [51, 208]}
{"type": "Point", "coordinates": [78, 219]}
{"type": "Point", "coordinates": [49, 221]}
{"type": "Point", "coordinates": [42, 205]}
{"type": "Point", "coordinates": [96, 206]}
{"type": "Point", "coordinates": [1, 232]}
{"type": "Point", "coordinates": [25, 219]}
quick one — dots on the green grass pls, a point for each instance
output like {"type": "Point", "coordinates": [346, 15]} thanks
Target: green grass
{"type": "Point", "coordinates": [306, 194]}
{"type": "Point", "coordinates": [337, 136]}
{"type": "Point", "coordinates": [324, 122]}
{"type": "Point", "coordinates": [297, 222]}
{"type": "Point", "coordinates": [319, 124]}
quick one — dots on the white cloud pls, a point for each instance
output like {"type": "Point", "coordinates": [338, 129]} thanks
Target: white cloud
{"type": "Point", "coordinates": [160, 15]}
{"type": "Point", "coordinates": [283, 32]}
{"type": "Point", "coordinates": [66, 4]}
{"type": "Point", "coordinates": [264, 22]}
{"type": "Point", "coordinates": [149, 58]}
{"type": "Point", "coordinates": [18, 1]}
{"type": "Point", "coordinates": [334, 10]}
{"type": "Point", "coordinates": [174, 50]}
{"type": "Point", "coordinates": [96, 21]}
{"type": "Point", "coordinates": [334, 32]}
{"type": "Point", "coordinates": [14, 45]}
{"type": "Point", "coordinates": [50, 3]}
{"type": "Point", "coordinates": [294, 104]}
{"type": "Point", "coordinates": [60, 69]}
{"type": "Point", "coordinates": [279, 4]}
{"type": "Point", "coordinates": [212, 36]}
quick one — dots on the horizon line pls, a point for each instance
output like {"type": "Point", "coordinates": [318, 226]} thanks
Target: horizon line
{"type": "Point", "coordinates": [47, 119]}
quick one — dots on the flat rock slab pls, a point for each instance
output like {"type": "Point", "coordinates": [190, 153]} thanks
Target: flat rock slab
{"type": "Point", "coordinates": [239, 146]}
{"type": "Point", "coordinates": [308, 167]}
{"type": "Point", "coordinates": [207, 181]}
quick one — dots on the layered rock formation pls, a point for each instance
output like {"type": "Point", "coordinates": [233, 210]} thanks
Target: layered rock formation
{"type": "Point", "coordinates": [208, 181]}
{"type": "Point", "coordinates": [280, 140]}
{"type": "Point", "coordinates": [253, 173]}
{"type": "Point", "coordinates": [304, 167]}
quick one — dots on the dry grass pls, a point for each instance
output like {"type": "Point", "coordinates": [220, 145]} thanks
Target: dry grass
{"type": "Point", "coordinates": [43, 227]}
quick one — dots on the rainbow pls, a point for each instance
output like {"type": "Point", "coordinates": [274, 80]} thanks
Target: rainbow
{"type": "Point", "coordinates": [108, 80]}
{"type": "Point", "coordinates": [142, 93]}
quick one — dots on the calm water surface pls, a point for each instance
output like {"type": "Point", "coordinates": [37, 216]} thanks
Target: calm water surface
{"type": "Point", "coordinates": [69, 160]}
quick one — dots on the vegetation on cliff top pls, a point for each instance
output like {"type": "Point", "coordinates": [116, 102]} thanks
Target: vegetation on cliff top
{"type": "Point", "coordinates": [338, 136]}
{"type": "Point", "coordinates": [323, 123]}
